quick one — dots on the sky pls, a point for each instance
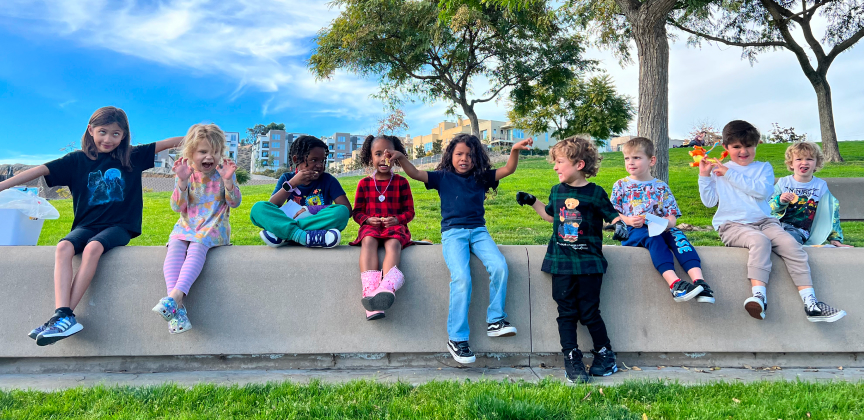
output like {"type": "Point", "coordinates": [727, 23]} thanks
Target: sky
{"type": "Point", "coordinates": [173, 63]}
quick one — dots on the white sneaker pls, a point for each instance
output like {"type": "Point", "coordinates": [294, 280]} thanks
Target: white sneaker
{"type": "Point", "coordinates": [271, 239]}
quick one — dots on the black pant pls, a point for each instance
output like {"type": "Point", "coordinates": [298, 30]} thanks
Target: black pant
{"type": "Point", "coordinates": [109, 237]}
{"type": "Point", "coordinates": [578, 299]}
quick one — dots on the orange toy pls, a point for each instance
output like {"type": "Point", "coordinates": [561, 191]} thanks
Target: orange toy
{"type": "Point", "coordinates": [700, 153]}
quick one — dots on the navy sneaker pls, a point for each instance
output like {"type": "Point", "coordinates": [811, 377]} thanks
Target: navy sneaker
{"type": "Point", "coordinates": [323, 238]}
{"type": "Point", "coordinates": [707, 295]}
{"type": "Point", "coordinates": [271, 239]}
{"type": "Point", "coordinates": [683, 291]}
{"type": "Point", "coordinates": [821, 312]}
{"type": "Point", "coordinates": [62, 327]}
{"type": "Point", "coordinates": [501, 328]}
{"type": "Point", "coordinates": [460, 351]}
{"type": "Point", "coordinates": [604, 363]}
{"type": "Point", "coordinates": [574, 368]}
{"type": "Point", "coordinates": [38, 330]}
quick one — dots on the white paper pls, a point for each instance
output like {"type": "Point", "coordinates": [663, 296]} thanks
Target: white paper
{"type": "Point", "coordinates": [290, 208]}
{"type": "Point", "coordinates": [656, 224]}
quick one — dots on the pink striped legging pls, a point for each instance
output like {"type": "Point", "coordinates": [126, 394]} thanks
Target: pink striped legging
{"type": "Point", "coordinates": [183, 264]}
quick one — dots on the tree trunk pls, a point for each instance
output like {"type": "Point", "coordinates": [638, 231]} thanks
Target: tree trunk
{"type": "Point", "coordinates": [830, 148]}
{"type": "Point", "coordinates": [472, 116]}
{"type": "Point", "coordinates": [653, 119]}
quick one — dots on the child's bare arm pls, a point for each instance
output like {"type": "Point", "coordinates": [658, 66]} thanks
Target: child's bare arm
{"type": "Point", "coordinates": [169, 143]}
{"type": "Point", "coordinates": [343, 200]}
{"type": "Point", "coordinates": [25, 177]}
{"type": "Point", "coordinates": [408, 167]}
{"type": "Point", "coordinates": [540, 208]}
{"type": "Point", "coordinates": [513, 162]}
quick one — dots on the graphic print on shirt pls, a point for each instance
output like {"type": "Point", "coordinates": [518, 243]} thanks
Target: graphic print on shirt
{"type": "Point", "coordinates": [105, 188]}
{"type": "Point", "coordinates": [316, 198]}
{"type": "Point", "coordinates": [570, 219]}
{"type": "Point", "coordinates": [802, 212]}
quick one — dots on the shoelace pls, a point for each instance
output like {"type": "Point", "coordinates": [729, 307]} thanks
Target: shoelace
{"type": "Point", "coordinates": [317, 236]}
{"type": "Point", "coordinates": [463, 347]}
{"type": "Point", "coordinates": [760, 296]}
{"type": "Point", "coordinates": [813, 306]}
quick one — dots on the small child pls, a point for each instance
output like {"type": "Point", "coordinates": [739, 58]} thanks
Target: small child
{"type": "Point", "coordinates": [104, 178]}
{"type": "Point", "coordinates": [641, 194]}
{"type": "Point", "coordinates": [319, 194]}
{"type": "Point", "coordinates": [383, 213]}
{"type": "Point", "coordinates": [574, 255]}
{"type": "Point", "coordinates": [204, 192]}
{"type": "Point", "coordinates": [742, 189]}
{"type": "Point", "coordinates": [797, 197]}
{"type": "Point", "coordinates": [462, 179]}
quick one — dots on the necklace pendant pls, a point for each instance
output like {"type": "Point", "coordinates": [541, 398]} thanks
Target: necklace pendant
{"type": "Point", "coordinates": [381, 198]}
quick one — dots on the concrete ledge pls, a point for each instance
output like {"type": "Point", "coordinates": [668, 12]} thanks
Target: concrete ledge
{"type": "Point", "coordinates": [848, 191]}
{"type": "Point", "coordinates": [258, 303]}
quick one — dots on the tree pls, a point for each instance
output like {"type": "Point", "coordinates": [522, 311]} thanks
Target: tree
{"type": "Point", "coordinates": [761, 25]}
{"type": "Point", "coordinates": [592, 107]}
{"type": "Point", "coordinates": [274, 126]}
{"type": "Point", "coordinates": [419, 152]}
{"type": "Point", "coordinates": [414, 55]}
{"type": "Point", "coordinates": [253, 133]}
{"type": "Point", "coordinates": [393, 123]}
{"type": "Point", "coordinates": [436, 147]}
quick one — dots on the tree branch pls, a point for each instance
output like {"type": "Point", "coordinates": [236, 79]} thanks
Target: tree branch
{"type": "Point", "coordinates": [843, 46]}
{"type": "Point", "coordinates": [726, 41]}
{"type": "Point", "coordinates": [777, 13]}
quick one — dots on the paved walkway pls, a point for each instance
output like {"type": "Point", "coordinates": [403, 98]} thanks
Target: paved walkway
{"type": "Point", "coordinates": [49, 382]}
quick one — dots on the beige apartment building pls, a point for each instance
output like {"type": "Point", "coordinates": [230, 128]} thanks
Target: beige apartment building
{"type": "Point", "coordinates": [615, 143]}
{"type": "Point", "coordinates": [493, 133]}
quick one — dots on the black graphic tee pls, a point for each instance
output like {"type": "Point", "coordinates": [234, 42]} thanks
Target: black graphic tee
{"type": "Point", "coordinates": [103, 193]}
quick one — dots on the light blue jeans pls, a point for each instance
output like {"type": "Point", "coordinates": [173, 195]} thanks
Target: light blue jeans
{"type": "Point", "coordinates": [458, 245]}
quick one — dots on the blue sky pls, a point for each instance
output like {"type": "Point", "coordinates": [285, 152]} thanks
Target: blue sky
{"type": "Point", "coordinates": [173, 63]}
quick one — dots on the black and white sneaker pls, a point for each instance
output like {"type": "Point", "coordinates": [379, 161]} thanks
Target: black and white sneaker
{"type": "Point", "coordinates": [271, 240]}
{"type": "Point", "coordinates": [707, 295]}
{"type": "Point", "coordinates": [501, 328]}
{"type": "Point", "coordinates": [604, 363]}
{"type": "Point", "coordinates": [460, 351]}
{"type": "Point", "coordinates": [821, 312]}
{"type": "Point", "coordinates": [756, 306]}
{"type": "Point", "coordinates": [683, 291]}
{"type": "Point", "coordinates": [61, 328]}
{"type": "Point", "coordinates": [574, 368]}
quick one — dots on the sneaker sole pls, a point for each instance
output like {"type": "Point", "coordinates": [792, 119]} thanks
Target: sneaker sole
{"type": "Point", "coordinates": [33, 336]}
{"type": "Point", "coordinates": [575, 382]}
{"type": "Point", "coordinates": [45, 340]}
{"type": "Point", "coordinates": [380, 302]}
{"type": "Point", "coordinates": [704, 299]}
{"type": "Point", "coordinates": [503, 332]}
{"type": "Point", "coordinates": [375, 316]}
{"type": "Point", "coordinates": [268, 243]}
{"type": "Point", "coordinates": [832, 318]}
{"type": "Point", "coordinates": [693, 293]}
{"type": "Point", "coordinates": [167, 316]}
{"type": "Point", "coordinates": [463, 360]}
{"type": "Point", "coordinates": [614, 369]}
{"type": "Point", "coordinates": [755, 310]}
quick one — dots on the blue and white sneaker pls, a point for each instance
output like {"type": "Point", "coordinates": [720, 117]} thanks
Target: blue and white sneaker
{"type": "Point", "coordinates": [323, 238]}
{"type": "Point", "coordinates": [38, 330]}
{"type": "Point", "coordinates": [271, 239]}
{"type": "Point", "coordinates": [59, 329]}
{"type": "Point", "coordinates": [166, 307]}
{"type": "Point", "coordinates": [180, 322]}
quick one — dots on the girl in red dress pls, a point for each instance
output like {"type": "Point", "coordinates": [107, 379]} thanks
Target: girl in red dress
{"type": "Point", "coordinates": [383, 206]}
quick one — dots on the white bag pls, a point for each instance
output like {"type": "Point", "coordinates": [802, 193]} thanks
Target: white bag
{"type": "Point", "coordinates": [30, 205]}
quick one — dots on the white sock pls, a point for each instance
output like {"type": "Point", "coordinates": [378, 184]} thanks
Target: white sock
{"type": "Point", "coordinates": [808, 295]}
{"type": "Point", "coordinates": [760, 289]}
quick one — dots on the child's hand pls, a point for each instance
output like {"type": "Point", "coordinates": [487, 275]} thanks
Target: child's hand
{"type": "Point", "coordinates": [299, 212]}
{"type": "Point", "coordinates": [672, 220]}
{"type": "Point", "coordinates": [393, 155]}
{"type": "Point", "coordinates": [228, 169]}
{"type": "Point", "coordinates": [705, 167]}
{"type": "Point", "coordinates": [390, 221]}
{"type": "Point", "coordinates": [839, 244]}
{"type": "Point", "coordinates": [373, 221]}
{"type": "Point", "coordinates": [302, 177]}
{"type": "Point", "coordinates": [182, 169]}
{"type": "Point", "coordinates": [635, 221]}
{"type": "Point", "coordinates": [524, 144]}
{"type": "Point", "coordinates": [788, 197]}
{"type": "Point", "coordinates": [719, 169]}
{"type": "Point", "coordinates": [524, 198]}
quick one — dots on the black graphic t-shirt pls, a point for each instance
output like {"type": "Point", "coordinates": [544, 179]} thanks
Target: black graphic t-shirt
{"type": "Point", "coordinates": [322, 191]}
{"type": "Point", "coordinates": [103, 193]}
{"type": "Point", "coordinates": [577, 230]}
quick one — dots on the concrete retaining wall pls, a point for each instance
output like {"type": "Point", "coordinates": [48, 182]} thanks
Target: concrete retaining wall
{"type": "Point", "coordinates": [254, 300]}
{"type": "Point", "coordinates": [850, 192]}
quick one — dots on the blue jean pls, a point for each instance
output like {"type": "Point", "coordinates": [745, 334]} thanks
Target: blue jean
{"type": "Point", "coordinates": [661, 248]}
{"type": "Point", "coordinates": [458, 245]}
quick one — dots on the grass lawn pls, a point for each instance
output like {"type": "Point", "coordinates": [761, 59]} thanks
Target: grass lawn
{"type": "Point", "coordinates": [447, 400]}
{"type": "Point", "coordinates": [508, 223]}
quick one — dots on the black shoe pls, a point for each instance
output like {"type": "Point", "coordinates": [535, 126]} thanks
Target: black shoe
{"type": "Point", "coordinates": [574, 368]}
{"type": "Point", "coordinates": [604, 363]}
{"type": "Point", "coordinates": [707, 295]}
{"type": "Point", "coordinates": [821, 312]}
{"type": "Point", "coordinates": [683, 291]}
{"type": "Point", "coordinates": [460, 351]}
{"type": "Point", "coordinates": [501, 328]}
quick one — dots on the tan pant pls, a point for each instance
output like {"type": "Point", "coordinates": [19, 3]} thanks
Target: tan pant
{"type": "Point", "coordinates": [761, 238]}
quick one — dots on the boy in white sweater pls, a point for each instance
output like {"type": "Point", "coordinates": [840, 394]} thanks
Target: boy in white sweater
{"type": "Point", "coordinates": [742, 188]}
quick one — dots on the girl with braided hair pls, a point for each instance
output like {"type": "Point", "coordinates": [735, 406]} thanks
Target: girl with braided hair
{"type": "Point", "coordinates": [383, 206]}
{"type": "Point", "coordinates": [317, 209]}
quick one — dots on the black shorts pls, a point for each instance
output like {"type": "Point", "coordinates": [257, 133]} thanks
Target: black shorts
{"type": "Point", "coordinates": [109, 238]}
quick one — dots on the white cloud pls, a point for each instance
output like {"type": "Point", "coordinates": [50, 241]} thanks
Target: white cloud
{"type": "Point", "coordinates": [12, 157]}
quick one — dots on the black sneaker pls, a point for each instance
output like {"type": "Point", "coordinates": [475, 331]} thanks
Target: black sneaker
{"type": "Point", "coordinates": [707, 295]}
{"type": "Point", "coordinates": [756, 306]}
{"type": "Point", "coordinates": [821, 312]}
{"type": "Point", "coordinates": [683, 291]}
{"type": "Point", "coordinates": [604, 363]}
{"type": "Point", "coordinates": [501, 328]}
{"type": "Point", "coordinates": [574, 368]}
{"type": "Point", "coordinates": [460, 351]}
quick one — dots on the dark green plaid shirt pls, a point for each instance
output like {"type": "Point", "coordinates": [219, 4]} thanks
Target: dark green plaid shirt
{"type": "Point", "coordinates": [576, 246]}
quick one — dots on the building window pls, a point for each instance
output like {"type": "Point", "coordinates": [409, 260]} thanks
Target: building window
{"type": "Point", "coordinates": [275, 144]}
{"type": "Point", "coordinates": [276, 162]}
{"type": "Point", "coordinates": [427, 147]}
{"type": "Point", "coordinates": [230, 155]}
{"type": "Point", "coordinates": [265, 154]}
{"type": "Point", "coordinates": [340, 155]}
{"type": "Point", "coordinates": [340, 147]}
{"type": "Point", "coordinates": [276, 137]}
{"type": "Point", "coordinates": [276, 153]}
{"type": "Point", "coordinates": [483, 134]}
{"type": "Point", "coordinates": [341, 139]}
{"type": "Point", "coordinates": [265, 144]}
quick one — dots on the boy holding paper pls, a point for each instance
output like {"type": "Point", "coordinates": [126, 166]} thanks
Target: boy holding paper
{"type": "Point", "coordinates": [649, 209]}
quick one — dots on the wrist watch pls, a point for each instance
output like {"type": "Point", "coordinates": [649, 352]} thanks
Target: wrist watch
{"type": "Point", "coordinates": [287, 187]}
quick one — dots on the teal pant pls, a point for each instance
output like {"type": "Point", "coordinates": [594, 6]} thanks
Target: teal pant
{"type": "Point", "coordinates": [270, 217]}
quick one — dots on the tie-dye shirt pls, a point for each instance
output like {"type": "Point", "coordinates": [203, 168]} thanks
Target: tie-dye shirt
{"type": "Point", "coordinates": [204, 209]}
